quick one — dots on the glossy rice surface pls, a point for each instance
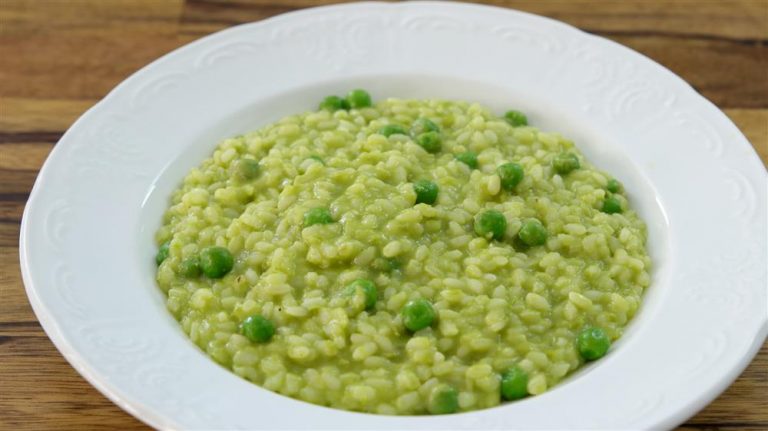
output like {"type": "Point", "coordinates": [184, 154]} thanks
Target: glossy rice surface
{"type": "Point", "coordinates": [499, 304]}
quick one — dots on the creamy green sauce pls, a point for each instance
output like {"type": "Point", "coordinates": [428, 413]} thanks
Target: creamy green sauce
{"type": "Point", "coordinates": [501, 302]}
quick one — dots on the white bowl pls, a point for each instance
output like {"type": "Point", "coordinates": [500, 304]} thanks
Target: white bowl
{"type": "Point", "coordinates": [86, 240]}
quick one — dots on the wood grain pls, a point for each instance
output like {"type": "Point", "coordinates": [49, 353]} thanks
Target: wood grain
{"type": "Point", "coordinates": [58, 58]}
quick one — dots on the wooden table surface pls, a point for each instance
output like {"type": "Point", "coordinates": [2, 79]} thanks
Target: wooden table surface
{"type": "Point", "coordinates": [57, 58]}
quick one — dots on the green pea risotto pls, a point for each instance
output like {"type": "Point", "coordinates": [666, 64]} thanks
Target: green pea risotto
{"type": "Point", "coordinates": [402, 257]}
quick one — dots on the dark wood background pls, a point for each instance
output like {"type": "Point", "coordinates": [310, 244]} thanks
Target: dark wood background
{"type": "Point", "coordinates": [57, 58]}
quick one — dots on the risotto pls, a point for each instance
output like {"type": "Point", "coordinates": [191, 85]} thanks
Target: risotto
{"type": "Point", "coordinates": [402, 257]}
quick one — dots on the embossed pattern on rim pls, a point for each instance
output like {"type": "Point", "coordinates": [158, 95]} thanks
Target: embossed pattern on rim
{"type": "Point", "coordinates": [97, 302]}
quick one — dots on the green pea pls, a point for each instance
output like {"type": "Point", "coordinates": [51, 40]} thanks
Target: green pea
{"type": "Point", "coordinates": [516, 118]}
{"type": "Point", "coordinates": [358, 98]}
{"type": "Point", "coordinates": [392, 264]}
{"type": "Point", "coordinates": [511, 174]}
{"type": "Point", "coordinates": [430, 141]}
{"type": "Point", "coordinates": [367, 288]}
{"type": "Point", "coordinates": [190, 267]}
{"type": "Point", "coordinates": [317, 158]}
{"type": "Point", "coordinates": [593, 343]}
{"type": "Point", "coordinates": [426, 192]}
{"type": "Point", "coordinates": [611, 205]}
{"type": "Point", "coordinates": [514, 384]}
{"type": "Point", "coordinates": [257, 328]}
{"type": "Point", "coordinates": [491, 224]}
{"type": "Point", "coordinates": [565, 163]}
{"type": "Point", "coordinates": [162, 252]}
{"type": "Point", "coordinates": [423, 125]}
{"type": "Point", "coordinates": [334, 103]}
{"type": "Point", "coordinates": [614, 186]}
{"type": "Point", "coordinates": [469, 158]}
{"type": "Point", "coordinates": [317, 215]}
{"type": "Point", "coordinates": [443, 399]}
{"type": "Point", "coordinates": [532, 232]}
{"type": "Point", "coordinates": [418, 314]}
{"type": "Point", "coordinates": [388, 264]}
{"type": "Point", "coordinates": [216, 262]}
{"type": "Point", "coordinates": [247, 169]}
{"type": "Point", "coordinates": [392, 129]}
